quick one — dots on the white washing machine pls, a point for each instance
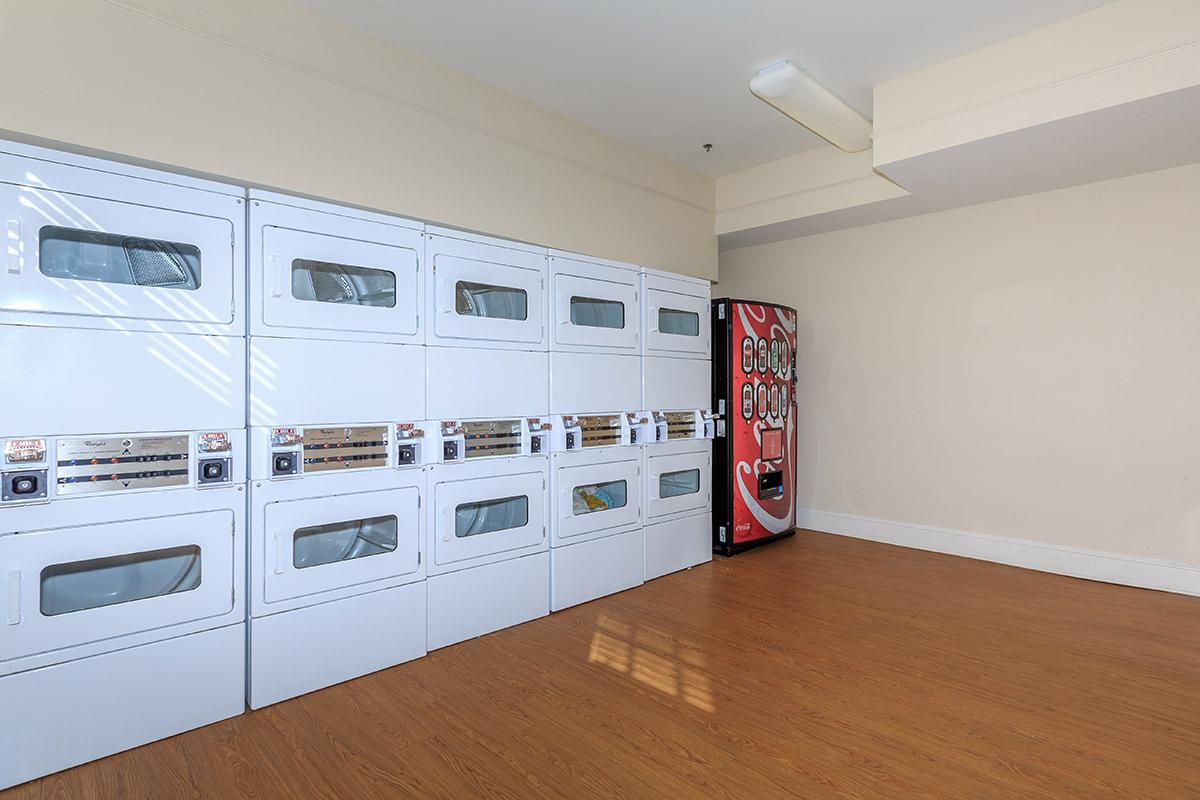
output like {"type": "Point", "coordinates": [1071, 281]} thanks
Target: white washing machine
{"type": "Point", "coordinates": [487, 343]}
{"type": "Point", "coordinates": [123, 278]}
{"type": "Point", "coordinates": [678, 503]}
{"type": "Point", "coordinates": [596, 540]}
{"type": "Point", "coordinates": [123, 561]}
{"type": "Point", "coordinates": [487, 526]}
{"type": "Point", "coordinates": [336, 297]}
{"type": "Point", "coordinates": [595, 337]}
{"type": "Point", "coordinates": [336, 570]}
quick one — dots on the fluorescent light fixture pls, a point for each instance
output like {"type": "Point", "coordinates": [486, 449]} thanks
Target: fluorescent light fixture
{"type": "Point", "coordinates": [794, 92]}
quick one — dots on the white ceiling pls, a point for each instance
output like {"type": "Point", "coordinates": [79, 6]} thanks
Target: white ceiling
{"type": "Point", "coordinates": [670, 75]}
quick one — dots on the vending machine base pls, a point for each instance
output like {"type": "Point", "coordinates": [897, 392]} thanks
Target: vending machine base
{"type": "Point", "coordinates": [741, 547]}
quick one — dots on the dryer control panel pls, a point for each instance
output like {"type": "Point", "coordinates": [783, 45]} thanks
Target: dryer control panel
{"type": "Point", "coordinates": [585, 431]}
{"type": "Point", "coordinates": [41, 469]}
{"type": "Point", "coordinates": [456, 441]}
{"type": "Point", "coordinates": [690, 424]}
{"type": "Point", "coordinates": [293, 452]}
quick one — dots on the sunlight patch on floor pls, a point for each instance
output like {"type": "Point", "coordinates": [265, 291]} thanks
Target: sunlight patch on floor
{"type": "Point", "coordinates": [653, 658]}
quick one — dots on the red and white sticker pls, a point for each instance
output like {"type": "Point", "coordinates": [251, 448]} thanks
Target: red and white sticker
{"type": "Point", "coordinates": [215, 442]}
{"type": "Point", "coordinates": [282, 437]}
{"type": "Point", "coordinates": [23, 451]}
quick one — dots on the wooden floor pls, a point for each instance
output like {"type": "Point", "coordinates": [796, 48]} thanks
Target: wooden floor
{"type": "Point", "coordinates": [818, 667]}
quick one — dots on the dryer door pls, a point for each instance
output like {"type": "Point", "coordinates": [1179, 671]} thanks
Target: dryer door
{"type": "Point", "coordinates": [71, 586]}
{"type": "Point", "coordinates": [677, 324]}
{"type": "Point", "coordinates": [328, 283]}
{"type": "Point", "coordinates": [677, 483]}
{"type": "Point", "coordinates": [478, 302]}
{"type": "Point", "coordinates": [324, 544]}
{"type": "Point", "coordinates": [91, 257]}
{"type": "Point", "coordinates": [596, 313]}
{"type": "Point", "coordinates": [598, 497]}
{"type": "Point", "coordinates": [477, 518]}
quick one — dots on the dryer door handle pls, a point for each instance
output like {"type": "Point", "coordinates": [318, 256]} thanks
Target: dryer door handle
{"type": "Point", "coordinates": [276, 275]}
{"type": "Point", "coordinates": [14, 597]}
{"type": "Point", "coordinates": [279, 552]}
{"type": "Point", "coordinates": [653, 311]}
{"type": "Point", "coordinates": [13, 246]}
{"type": "Point", "coordinates": [565, 504]}
{"type": "Point", "coordinates": [447, 522]}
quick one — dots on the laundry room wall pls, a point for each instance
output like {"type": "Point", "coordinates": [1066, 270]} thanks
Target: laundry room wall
{"type": "Point", "coordinates": [1025, 369]}
{"type": "Point", "coordinates": [273, 94]}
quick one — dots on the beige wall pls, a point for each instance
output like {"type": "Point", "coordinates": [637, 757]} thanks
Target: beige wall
{"type": "Point", "coordinates": [1028, 368]}
{"type": "Point", "coordinates": [270, 93]}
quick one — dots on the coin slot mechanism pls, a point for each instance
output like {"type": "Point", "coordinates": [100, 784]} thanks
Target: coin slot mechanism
{"type": "Point", "coordinates": [770, 485]}
{"type": "Point", "coordinates": [213, 471]}
{"type": "Point", "coordinates": [409, 441]}
{"type": "Point", "coordinates": [25, 486]}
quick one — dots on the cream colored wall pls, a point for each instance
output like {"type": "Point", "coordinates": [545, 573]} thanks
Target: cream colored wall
{"type": "Point", "coordinates": [273, 94]}
{"type": "Point", "coordinates": [1028, 368]}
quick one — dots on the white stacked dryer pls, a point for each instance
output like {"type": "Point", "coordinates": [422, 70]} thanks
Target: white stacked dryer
{"type": "Point", "coordinates": [122, 480]}
{"type": "Point", "coordinates": [337, 365]}
{"type": "Point", "coordinates": [487, 527]}
{"type": "Point", "coordinates": [595, 387]}
{"type": "Point", "coordinates": [336, 566]}
{"type": "Point", "coordinates": [121, 297]}
{"type": "Point", "coordinates": [676, 396]}
{"type": "Point", "coordinates": [486, 307]}
{"type": "Point", "coordinates": [488, 399]}
{"type": "Point", "coordinates": [336, 296]}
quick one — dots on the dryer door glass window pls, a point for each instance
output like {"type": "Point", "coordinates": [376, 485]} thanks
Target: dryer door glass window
{"type": "Point", "coordinates": [98, 582]}
{"type": "Point", "coordinates": [678, 323]}
{"type": "Point", "coordinates": [488, 516]}
{"type": "Point", "coordinates": [593, 312]}
{"type": "Point", "coordinates": [681, 482]}
{"type": "Point", "coordinates": [595, 497]}
{"type": "Point", "coordinates": [325, 282]}
{"type": "Point", "coordinates": [488, 300]}
{"type": "Point", "coordinates": [344, 541]}
{"type": "Point", "coordinates": [114, 258]}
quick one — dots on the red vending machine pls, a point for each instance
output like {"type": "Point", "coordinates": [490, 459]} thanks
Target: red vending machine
{"type": "Point", "coordinates": [754, 452]}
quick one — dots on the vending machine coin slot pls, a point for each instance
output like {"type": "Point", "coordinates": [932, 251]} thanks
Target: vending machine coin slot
{"type": "Point", "coordinates": [770, 485]}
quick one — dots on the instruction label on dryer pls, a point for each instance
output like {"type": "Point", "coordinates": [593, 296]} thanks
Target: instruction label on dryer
{"type": "Point", "coordinates": [116, 463]}
{"type": "Point", "coordinates": [345, 448]}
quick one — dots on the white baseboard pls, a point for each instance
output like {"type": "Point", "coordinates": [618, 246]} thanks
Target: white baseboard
{"type": "Point", "coordinates": [1093, 565]}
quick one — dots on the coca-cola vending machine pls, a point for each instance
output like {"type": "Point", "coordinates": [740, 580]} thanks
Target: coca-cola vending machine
{"type": "Point", "coordinates": [754, 452]}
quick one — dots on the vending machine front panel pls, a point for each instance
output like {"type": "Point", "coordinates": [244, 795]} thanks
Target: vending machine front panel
{"type": "Point", "coordinates": [754, 469]}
